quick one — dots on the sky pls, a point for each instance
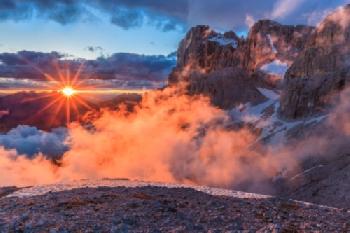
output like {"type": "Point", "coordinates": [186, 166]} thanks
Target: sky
{"type": "Point", "coordinates": [89, 29]}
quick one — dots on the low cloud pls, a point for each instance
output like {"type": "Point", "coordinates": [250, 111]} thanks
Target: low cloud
{"type": "Point", "coordinates": [170, 137]}
{"type": "Point", "coordinates": [29, 141]}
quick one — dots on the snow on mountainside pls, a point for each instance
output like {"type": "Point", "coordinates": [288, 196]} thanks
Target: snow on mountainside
{"type": "Point", "coordinates": [274, 50]}
{"type": "Point", "coordinates": [224, 41]}
{"type": "Point", "coordinates": [40, 190]}
{"type": "Point", "coordinates": [275, 67]}
{"type": "Point", "coordinates": [265, 117]}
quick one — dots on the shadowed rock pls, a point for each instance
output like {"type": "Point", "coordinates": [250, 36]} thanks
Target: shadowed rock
{"type": "Point", "coordinates": [322, 69]}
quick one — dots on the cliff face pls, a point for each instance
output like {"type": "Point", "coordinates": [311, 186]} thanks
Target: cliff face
{"type": "Point", "coordinates": [206, 50]}
{"type": "Point", "coordinates": [219, 65]}
{"type": "Point", "coordinates": [222, 65]}
{"type": "Point", "coordinates": [321, 69]}
{"type": "Point", "coordinates": [269, 40]}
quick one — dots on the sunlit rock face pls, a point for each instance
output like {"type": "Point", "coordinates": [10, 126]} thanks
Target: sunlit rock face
{"type": "Point", "coordinates": [321, 69]}
{"type": "Point", "coordinates": [222, 65]}
{"type": "Point", "coordinates": [268, 41]}
{"type": "Point", "coordinates": [206, 50]}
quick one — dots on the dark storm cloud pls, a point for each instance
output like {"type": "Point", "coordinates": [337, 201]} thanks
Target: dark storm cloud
{"type": "Point", "coordinates": [171, 15]}
{"type": "Point", "coordinates": [127, 19]}
{"type": "Point", "coordinates": [165, 15]}
{"type": "Point", "coordinates": [26, 64]}
{"type": "Point", "coordinates": [126, 66]}
{"type": "Point", "coordinates": [94, 49]}
{"type": "Point", "coordinates": [25, 57]}
{"type": "Point", "coordinates": [61, 11]}
{"type": "Point", "coordinates": [126, 14]}
{"type": "Point", "coordinates": [117, 67]}
{"type": "Point", "coordinates": [235, 14]}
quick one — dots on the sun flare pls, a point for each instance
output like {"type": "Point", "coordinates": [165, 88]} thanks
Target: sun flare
{"type": "Point", "coordinates": [68, 91]}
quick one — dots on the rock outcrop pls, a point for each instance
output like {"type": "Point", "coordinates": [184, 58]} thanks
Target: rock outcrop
{"type": "Point", "coordinates": [163, 209]}
{"type": "Point", "coordinates": [206, 50]}
{"type": "Point", "coordinates": [321, 69]}
{"type": "Point", "coordinates": [226, 87]}
{"type": "Point", "coordinates": [269, 40]}
{"type": "Point", "coordinates": [222, 65]}
{"type": "Point", "coordinates": [318, 62]}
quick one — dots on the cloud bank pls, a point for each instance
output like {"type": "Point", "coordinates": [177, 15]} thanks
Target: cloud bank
{"type": "Point", "coordinates": [123, 13]}
{"type": "Point", "coordinates": [29, 141]}
{"type": "Point", "coordinates": [168, 15]}
{"type": "Point", "coordinates": [170, 137]}
{"type": "Point", "coordinates": [117, 70]}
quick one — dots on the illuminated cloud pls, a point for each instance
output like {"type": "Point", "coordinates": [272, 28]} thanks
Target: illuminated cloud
{"type": "Point", "coordinates": [249, 20]}
{"type": "Point", "coordinates": [171, 137]}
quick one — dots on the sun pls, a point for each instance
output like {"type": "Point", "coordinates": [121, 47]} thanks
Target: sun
{"type": "Point", "coordinates": [68, 91]}
{"type": "Point", "coordinates": [68, 87]}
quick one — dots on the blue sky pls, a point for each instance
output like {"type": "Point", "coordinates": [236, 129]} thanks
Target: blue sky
{"type": "Point", "coordinates": [45, 36]}
{"type": "Point", "coordinates": [136, 26]}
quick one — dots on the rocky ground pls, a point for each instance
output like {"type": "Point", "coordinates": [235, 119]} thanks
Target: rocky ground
{"type": "Point", "coordinates": [160, 209]}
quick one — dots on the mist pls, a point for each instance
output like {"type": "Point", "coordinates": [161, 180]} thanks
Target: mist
{"type": "Point", "coordinates": [176, 138]}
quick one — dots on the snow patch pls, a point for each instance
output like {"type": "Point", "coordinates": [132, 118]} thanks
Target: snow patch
{"type": "Point", "coordinates": [270, 94]}
{"type": "Point", "coordinates": [264, 116]}
{"type": "Point", "coordinates": [274, 50]}
{"type": "Point", "coordinates": [44, 189]}
{"type": "Point", "coordinates": [305, 172]}
{"type": "Point", "coordinates": [276, 67]}
{"type": "Point", "coordinates": [253, 113]}
{"type": "Point", "coordinates": [41, 190]}
{"type": "Point", "coordinates": [224, 41]}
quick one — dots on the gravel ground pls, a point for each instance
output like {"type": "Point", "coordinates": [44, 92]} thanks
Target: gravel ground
{"type": "Point", "coordinates": [163, 209]}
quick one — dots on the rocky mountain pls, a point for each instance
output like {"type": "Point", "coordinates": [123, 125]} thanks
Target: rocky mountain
{"type": "Point", "coordinates": [282, 81]}
{"type": "Point", "coordinates": [269, 41]}
{"type": "Point", "coordinates": [220, 65]}
{"type": "Point", "coordinates": [317, 60]}
{"type": "Point", "coordinates": [322, 68]}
